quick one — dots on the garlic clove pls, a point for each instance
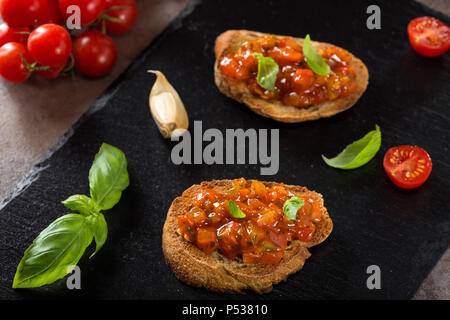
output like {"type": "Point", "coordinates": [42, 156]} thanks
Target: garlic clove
{"type": "Point", "coordinates": [167, 108]}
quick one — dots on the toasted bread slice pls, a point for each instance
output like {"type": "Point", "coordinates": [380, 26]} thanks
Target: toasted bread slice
{"type": "Point", "coordinates": [218, 273]}
{"type": "Point", "coordinates": [230, 40]}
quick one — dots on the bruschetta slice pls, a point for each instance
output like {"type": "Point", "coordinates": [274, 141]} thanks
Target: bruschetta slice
{"type": "Point", "coordinates": [207, 245]}
{"type": "Point", "coordinates": [300, 94]}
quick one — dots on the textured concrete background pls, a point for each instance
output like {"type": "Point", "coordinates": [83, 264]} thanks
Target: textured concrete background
{"type": "Point", "coordinates": [36, 113]}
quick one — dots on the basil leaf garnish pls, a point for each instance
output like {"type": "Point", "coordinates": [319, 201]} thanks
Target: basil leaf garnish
{"type": "Point", "coordinates": [358, 153]}
{"type": "Point", "coordinates": [313, 59]}
{"type": "Point", "coordinates": [267, 72]}
{"type": "Point", "coordinates": [234, 210]}
{"type": "Point", "coordinates": [291, 206]}
{"type": "Point", "coordinates": [99, 228]}
{"type": "Point", "coordinates": [52, 254]}
{"type": "Point", "coordinates": [108, 176]}
{"type": "Point", "coordinates": [80, 203]}
{"type": "Point", "coordinates": [60, 246]}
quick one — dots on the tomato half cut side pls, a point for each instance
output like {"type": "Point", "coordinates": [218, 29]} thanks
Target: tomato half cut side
{"type": "Point", "coordinates": [429, 36]}
{"type": "Point", "coordinates": [407, 166]}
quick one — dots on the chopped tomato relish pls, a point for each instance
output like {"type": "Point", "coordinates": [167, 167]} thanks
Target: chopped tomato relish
{"type": "Point", "coordinates": [296, 85]}
{"type": "Point", "coordinates": [262, 236]}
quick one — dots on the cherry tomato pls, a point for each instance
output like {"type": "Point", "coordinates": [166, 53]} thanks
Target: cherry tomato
{"type": "Point", "coordinates": [20, 13]}
{"type": "Point", "coordinates": [50, 45]}
{"type": "Point", "coordinates": [10, 34]}
{"type": "Point", "coordinates": [429, 36]}
{"type": "Point", "coordinates": [95, 53]}
{"type": "Point", "coordinates": [52, 72]}
{"type": "Point", "coordinates": [127, 16]}
{"type": "Point", "coordinates": [12, 67]}
{"type": "Point", "coordinates": [407, 166]}
{"type": "Point", "coordinates": [89, 9]}
{"type": "Point", "coordinates": [50, 13]}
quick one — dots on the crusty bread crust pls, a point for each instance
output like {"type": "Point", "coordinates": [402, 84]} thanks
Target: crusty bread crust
{"type": "Point", "coordinates": [217, 273]}
{"type": "Point", "coordinates": [230, 40]}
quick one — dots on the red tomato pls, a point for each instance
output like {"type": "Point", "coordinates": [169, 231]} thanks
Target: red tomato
{"type": "Point", "coordinates": [207, 239]}
{"type": "Point", "coordinates": [303, 80]}
{"type": "Point", "coordinates": [429, 36]}
{"type": "Point", "coordinates": [95, 53]}
{"type": "Point", "coordinates": [89, 9]}
{"type": "Point", "coordinates": [20, 13]}
{"type": "Point", "coordinates": [51, 73]}
{"type": "Point", "coordinates": [10, 34]}
{"type": "Point", "coordinates": [407, 166]}
{"type": "Point", "coordinates": [12, 67]}
{"type": "Point", "coordinates": [50, 45]}
{"type": "Point", "coordinates": [127, 16]}
{"type": "Point", "coordinates": [50, 13]}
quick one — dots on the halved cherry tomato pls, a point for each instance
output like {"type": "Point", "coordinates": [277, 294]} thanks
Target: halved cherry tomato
{"type": "Point", "coordinates": [10, 34]}
{"type": "Point", "coordinates": [407, 166]}
{"type": "Point", "coordinates": [429, 36]}
{"type": "Point", "coordinates": [12, 66]}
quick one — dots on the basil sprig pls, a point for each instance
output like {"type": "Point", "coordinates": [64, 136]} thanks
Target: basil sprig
{"type": "Point", "coordinates": [358, 153]}
{"type": "Point", "coordinates": [313, 59]}
{"type": "Point", "coordinates": [291, 206]}
{"type": "Point", "coordinates": [234, 210]}
{"type": "Point", "coordinates": [59, 247]}
{"type": "Point", "coordinates": [267, 72]}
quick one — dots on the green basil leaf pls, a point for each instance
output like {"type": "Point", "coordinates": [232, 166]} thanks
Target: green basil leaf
{"type": "Point", "coordinates": [108, 176]}
{"type": "Point", "coordinates": [291, 206]}
{"type": "Point", "coordinates": [313, 59]}
{"type": "Point", "coordinates": [267, 72]}
{"type": "Point", "coordinates": [54, 252]}
{"type": "Point", "coordinates": [99, 228]}
{"type": "Point", "coordinates": [235, 211]}
{"type": "Point", "coordinates": [81, 203]}
{"type": "Point", "coordinates": [358, 153]}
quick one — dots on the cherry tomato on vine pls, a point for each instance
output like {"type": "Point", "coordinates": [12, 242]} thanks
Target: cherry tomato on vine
{"type": "Point", "coordinates": [12, 67]}
{"type": "Point", "coordinates": [51, 73]}
{"type": "Point", "coordinates": [10, 34]}
{"type": "Point", "coordinates": [127, 16]}
{"type": "Point", "coordinates": [20, 13]}
{"type": "Point", "coordinates": [407, 166]}
{"type": "Point", "coordinates": [50, 45]}
{"type": "Point", "coordinates": [429, 36]}
{"type": "Point", "coordinates": [50, 13]}
{"type": "Point", "coordinates": [95, 53]}
{"type": "Point", "coordinates": [90, 10]}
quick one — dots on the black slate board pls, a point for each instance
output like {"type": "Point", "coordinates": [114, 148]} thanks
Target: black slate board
{"type": "Point", "coordinates": [403, 232]}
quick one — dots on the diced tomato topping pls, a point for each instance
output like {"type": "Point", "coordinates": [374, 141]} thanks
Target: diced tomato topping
{"type": "Point", "coordinates": [296, 84]}
{"type": "Point", "coordinates": [261, 236]}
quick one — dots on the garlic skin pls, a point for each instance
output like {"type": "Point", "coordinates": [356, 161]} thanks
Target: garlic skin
{"type": "Point", "coordinates": [167, 108]}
